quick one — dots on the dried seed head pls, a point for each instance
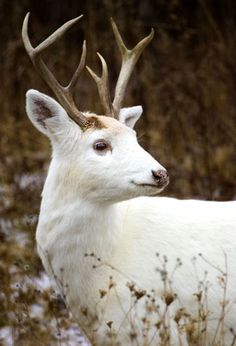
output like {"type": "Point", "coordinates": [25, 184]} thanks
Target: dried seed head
{"type": "Point", "coordinates": [169, 297]}
{"type": "Point", "coordinates": [84, 310]}
{"type": "Point", "coordinates": [102, 293]}
{"type": "Point", "coordinates": [198, 296]}
{"type": "Point", "coordinates": [109, 324]}
{"type": "Point", "coordinates": [139, 293]}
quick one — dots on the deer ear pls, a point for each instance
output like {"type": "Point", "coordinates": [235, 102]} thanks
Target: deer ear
{"type": "Point", "coordinates": [130, 115]}
{"type": "Point", "coordinates": [40, 108]}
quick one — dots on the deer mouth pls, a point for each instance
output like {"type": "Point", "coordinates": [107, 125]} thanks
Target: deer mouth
{"type": "Point", "coordinates": [148, 185]}
{"type": "Point", "coordinates": [157, 185]}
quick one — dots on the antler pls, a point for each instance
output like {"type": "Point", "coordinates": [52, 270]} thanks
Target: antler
{"type": "Point", "coordinates": [63, 94]}
{"type": "Point", "coordinates": [129, 59]}
{"type": "Point", "coordinates": [103, 87]}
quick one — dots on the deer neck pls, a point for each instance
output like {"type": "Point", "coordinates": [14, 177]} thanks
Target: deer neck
{"type": "Point", "coordinates": [65, 213]}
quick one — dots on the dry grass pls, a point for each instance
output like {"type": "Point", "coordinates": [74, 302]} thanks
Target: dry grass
{"type": "Point", "coordinates": [157, 324]}
{"type": "Point", "coordinates": [33, 313]}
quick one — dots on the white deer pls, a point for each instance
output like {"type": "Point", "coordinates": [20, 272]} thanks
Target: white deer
{"type": "Point", "coordinates": [133, 268]}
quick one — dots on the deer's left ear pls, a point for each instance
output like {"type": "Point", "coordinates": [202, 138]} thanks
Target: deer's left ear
{"type": "Point", "coordinates": [46, 114]}
{"type": "Point", "coordinates": [130, 115]}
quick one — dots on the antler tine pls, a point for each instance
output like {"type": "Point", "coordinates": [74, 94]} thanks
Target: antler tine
{"type": "Point", "coordinates": [129, 59]}
{"type": "Point", "coordinates": [103, 88]}
{"type": "Point", "coordinates": [78, 71]}
{"type": "Point", "coordinates": [63, 94]}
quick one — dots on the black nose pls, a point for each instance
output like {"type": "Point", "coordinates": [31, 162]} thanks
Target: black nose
{"type": "Point", "coordinates": [161, 176]}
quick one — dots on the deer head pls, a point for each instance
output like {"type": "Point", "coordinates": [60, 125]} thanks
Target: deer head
{"type": "Point", "coordinates": [99, 155]}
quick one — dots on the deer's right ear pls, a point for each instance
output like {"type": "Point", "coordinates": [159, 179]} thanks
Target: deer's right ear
{"type": "Point", "coordinates": [40, 108]}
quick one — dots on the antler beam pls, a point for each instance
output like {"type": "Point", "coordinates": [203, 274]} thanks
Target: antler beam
{"type": "Point", "coordinates": [63, 94]}
{"type": "Point", "coordinates": [103, 87]}
{"type": "Point", "coordinates": [129, 59]}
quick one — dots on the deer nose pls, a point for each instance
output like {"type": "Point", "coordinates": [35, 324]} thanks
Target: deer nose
{"type": "Point", "coordinates": [161, 177]}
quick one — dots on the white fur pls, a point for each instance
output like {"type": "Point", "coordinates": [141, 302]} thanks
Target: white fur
{"type": "Point", "coordinates": [90, 205]}
{"type": "Point", "coordinates": [130, 115]}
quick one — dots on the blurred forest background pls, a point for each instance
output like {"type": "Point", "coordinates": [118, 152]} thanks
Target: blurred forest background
{"type": "Point", "coordinates": [186, 82]}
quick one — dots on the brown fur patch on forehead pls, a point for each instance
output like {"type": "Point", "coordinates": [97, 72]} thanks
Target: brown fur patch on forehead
{"type": "Point", "coordinates": [95, 122]}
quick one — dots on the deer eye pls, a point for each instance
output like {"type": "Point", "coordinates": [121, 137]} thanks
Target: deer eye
{"type": "Point", "coordinates": [101, 146]}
